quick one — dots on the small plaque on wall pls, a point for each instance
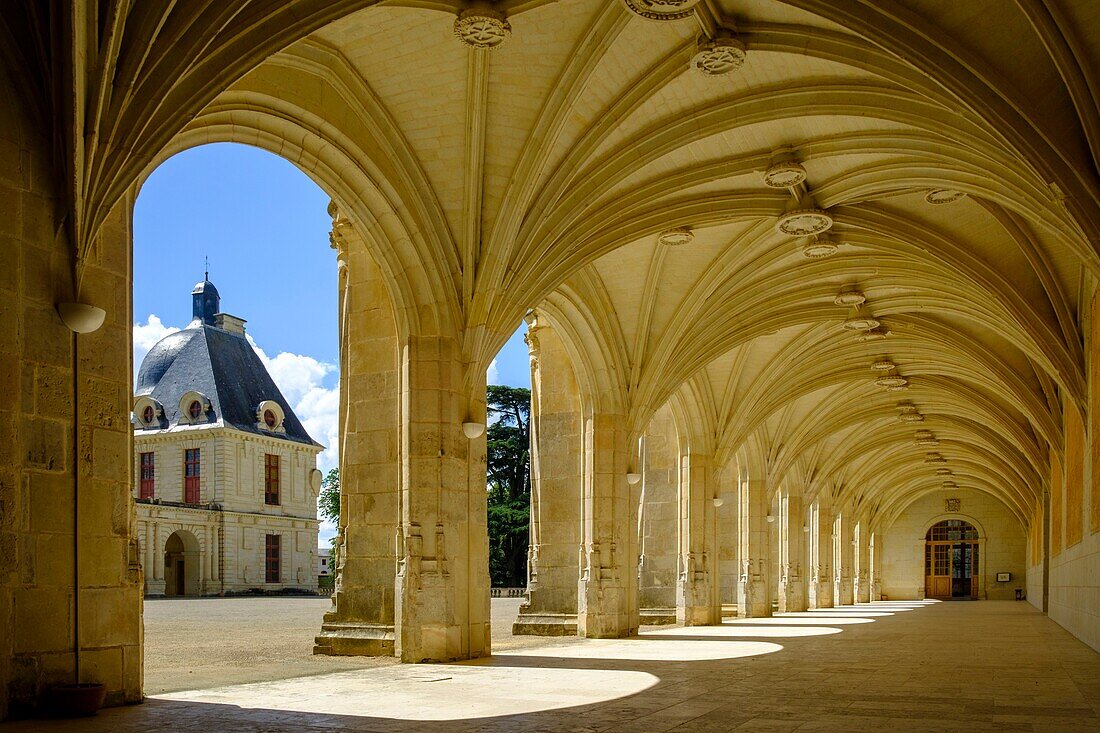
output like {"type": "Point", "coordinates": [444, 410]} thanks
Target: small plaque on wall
{"type": "Point", "coordinates": [1004, 577]}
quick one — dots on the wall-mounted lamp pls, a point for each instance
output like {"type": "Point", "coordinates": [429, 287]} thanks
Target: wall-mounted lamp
{"type": "Point", "coordinates": [770, 518]}
{"type": "Point", "coordinates": [81, 317]}
{"type": "Point", "coordinates": [805, 528]}
{"type": "Point", "coordinates": [633, 478]}
{"type": "Point", "coordinates": [473, 430]}
{"type": "Point", "coordinates": [718, 501]}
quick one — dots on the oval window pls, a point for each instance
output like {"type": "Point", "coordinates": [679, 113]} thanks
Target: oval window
{"type": "Point", "coordinates": [195, 410]}
{"type": "Point", "coordinates": [148, 414]}
{"type": "Point", "coordinates": [269, 419]}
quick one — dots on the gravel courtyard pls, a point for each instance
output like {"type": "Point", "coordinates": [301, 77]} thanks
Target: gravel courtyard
{"type": "Point", "coordinates": [196, 643]}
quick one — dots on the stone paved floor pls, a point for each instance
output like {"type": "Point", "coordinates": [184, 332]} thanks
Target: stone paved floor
{"type": "Point", "coordinates": [889, 666]}
{"type": "Point", "coordinates": [196, 643]}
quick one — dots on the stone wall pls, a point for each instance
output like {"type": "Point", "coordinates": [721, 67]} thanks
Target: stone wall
{"type": "Point", "coordinates": [1074, 586]}
{"type": "Point", "coordinates": [1003, 550]}
{"type": "Point", "coordinates": [37, 448]}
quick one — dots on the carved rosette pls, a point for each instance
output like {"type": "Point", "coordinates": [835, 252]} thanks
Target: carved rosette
{"type": "Point", "coordinates": [804, 222]}
{"type": "Point", "coordinates": [719, 55]}
{"type": "Point", "coordinates": [676, 237]}
{"type": "Point", "coordinates": [661, 9]}
{"type": "Point", "coordinates": [482, 27]}
{"type": "Point", "coordinates": [939, 196]}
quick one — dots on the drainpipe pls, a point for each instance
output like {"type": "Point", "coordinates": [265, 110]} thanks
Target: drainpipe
{"type": "Point", "coordinates": [76, 516]}
{"type": "Point", "coordinates": [79, 318]}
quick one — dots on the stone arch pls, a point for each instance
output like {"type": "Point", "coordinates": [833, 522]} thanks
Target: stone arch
{"type": "Point", "coordinates": [183, 556]}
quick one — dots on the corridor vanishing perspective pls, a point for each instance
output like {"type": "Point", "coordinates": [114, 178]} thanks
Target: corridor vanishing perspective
{"type": "Point", "coordinates": [877, 666]}
{"type": "Point", "coordinates": [810, 295]}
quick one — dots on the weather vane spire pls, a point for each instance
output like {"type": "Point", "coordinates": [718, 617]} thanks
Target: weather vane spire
{"type": "Point", "coordinates": [206, 270]}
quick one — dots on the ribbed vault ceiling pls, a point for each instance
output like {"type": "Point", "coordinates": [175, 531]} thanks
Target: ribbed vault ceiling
{"type": "Point", "coordinates": [540, 174]}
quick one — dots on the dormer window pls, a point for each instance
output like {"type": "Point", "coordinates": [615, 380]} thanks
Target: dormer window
{"type": "Point", "coordinates": [147, 413]}
{"type": "Point", "coordinates": [270, 416]}
{"type": "Point", "coordinates": [194, 408]}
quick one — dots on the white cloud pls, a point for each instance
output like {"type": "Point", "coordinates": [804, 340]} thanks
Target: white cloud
{"type": "Point", "coordinates": [492, 374]}
{"type": "Point", "coordinates": [146, 335]}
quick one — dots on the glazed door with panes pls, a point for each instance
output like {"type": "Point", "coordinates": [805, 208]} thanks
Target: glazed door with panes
{"type": "Point", "coordinates": [951, 561]}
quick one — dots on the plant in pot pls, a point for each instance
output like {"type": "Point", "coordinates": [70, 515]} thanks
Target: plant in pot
{"type": "Point", "coordinates": [74, 700]}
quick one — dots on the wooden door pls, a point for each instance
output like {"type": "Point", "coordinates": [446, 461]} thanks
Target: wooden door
{"type": "Point", "coordinates": [181, 579]}
{"type": "Point", "coordinates": [937, 564]}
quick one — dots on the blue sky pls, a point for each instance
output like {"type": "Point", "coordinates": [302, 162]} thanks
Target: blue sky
{"type": "Point", "coordinates": [264, 226]}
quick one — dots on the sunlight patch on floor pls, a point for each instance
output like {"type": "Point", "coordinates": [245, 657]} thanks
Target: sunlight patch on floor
{"type": "Point", "coordinates": [431, 691]}
{"type": "Point", "coordinates": [649, 648]}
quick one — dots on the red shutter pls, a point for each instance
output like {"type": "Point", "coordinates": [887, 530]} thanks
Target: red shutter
{"type": "Point", "coordinates": [272, 558]}
{"type": "Point", "coordinates": [271, 479]}
{"type": "Point", "coordinates": [148, 470]}
{"type": "Point", "coordinates": [192, 471]}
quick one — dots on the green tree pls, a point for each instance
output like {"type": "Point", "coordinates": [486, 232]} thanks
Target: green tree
{"type": "Point", "coordinates": [509, 483]}
{"type": "Point", "coordinates": [328, 505]}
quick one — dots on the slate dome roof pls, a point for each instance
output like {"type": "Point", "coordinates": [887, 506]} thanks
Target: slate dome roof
{"type": "Point", "coordinates": [220, 364]}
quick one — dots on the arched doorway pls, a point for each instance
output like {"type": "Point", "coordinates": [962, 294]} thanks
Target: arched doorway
{"type": "Point", "coordinates": [181, 564]}
{"type": "Point", "coordinates": [951, 560]}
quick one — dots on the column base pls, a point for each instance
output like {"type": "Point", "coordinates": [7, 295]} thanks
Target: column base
{"type": "Point", "coordinates": [154, 588]}
{"type": "Point", "coordinates": [657, 616]}
{"type": "Point", "coordinates": [545, 624]}
{"type": "Point", "coordinates": [354, 639]}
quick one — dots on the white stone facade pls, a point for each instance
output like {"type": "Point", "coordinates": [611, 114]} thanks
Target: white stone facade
{"type": "Point", "coordinates": [225, 533]}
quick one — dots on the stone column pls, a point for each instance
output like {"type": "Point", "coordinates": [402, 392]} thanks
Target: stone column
{"type": "Point", "coordinates": [607, 598]}
{"type": "Point", "coordinates": [792, 589]}
{"type": "Point", "coordinates": [442, 589]}
{"type": "Point", "coordinates": [204, 556]}
{"type": "Point", "coordinates": [158, 557]}
{"type": "Point", "coordinates": [550, 605]}
{"type": "Point", "coordinates": [876, 566]}
{"type": "Point", "coordinates": [361, 620]}
{"type": "Point", "coordinates": [147, 570]}
{"type": "Point", "coordinates": [697, 602]}
{"type": "Point", "coordinates": [729, 562]}
{"type": "Point", "coordinates": [215, 550]}
{"type": "Point", "coordinates": [820, 590]}
{"type": "Point", "coordinates": [842, 559]}
{"type": "Point", "coordinates": [862, 575]}
{"type": "Point", "coordinates": [659, 559]}
{"type": "Point", "coordinates": [754, 590]}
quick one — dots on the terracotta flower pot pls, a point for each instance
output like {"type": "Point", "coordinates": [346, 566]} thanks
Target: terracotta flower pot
{"type": "Point", "coordinates": [74, 701]}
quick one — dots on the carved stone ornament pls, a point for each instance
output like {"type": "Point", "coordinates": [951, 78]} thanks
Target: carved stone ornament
{"type": "Point", "coordinates": [676, 236]}
{"type": "Point", "coordinates": [885, 365]}
{"type": "Point", "coordinates": [911, 417]}
{"type": "Point", "coordinates": [804, 222]}
{"type": "Point", "coordinates": [861, 319]}
{"type": "Point", "coordinates": [943, 471]}
{"type": "Point", "coordinates": [951, 505]}
{"type": "Point", "coordinates": [850, 297]}
{"type": "Point", "coordinates": [482, 27]}
{"type": "Point", "coordinates": [819, 248]}
{"type": "Point", "coordinates": [942, 196]}
{"type": "Point", "coordinates": [784, 175]}
{"type": "Point", "coordinates": [719, 55]}
{"type": "Point", "coordinates": [661, 9]}
{"type": "Point", "coordinates": [892, 380]}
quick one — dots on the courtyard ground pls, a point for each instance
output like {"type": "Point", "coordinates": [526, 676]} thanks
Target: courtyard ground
{"type": "Point", "coordinates": [886, 666]}
{"type": "Point", "coordinates": [197, 643]}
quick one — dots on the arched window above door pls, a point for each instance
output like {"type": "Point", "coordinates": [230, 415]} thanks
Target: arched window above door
{"type": "Point", "coordinates": [951, 529]}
